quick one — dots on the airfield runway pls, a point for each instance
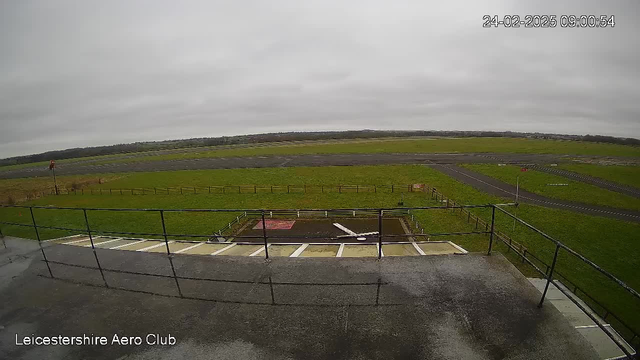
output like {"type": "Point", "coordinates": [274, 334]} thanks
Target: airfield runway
{"type": "Point", "coordinates": [304, 160]}
{"type": "Point", "coordinates": [496, 187]}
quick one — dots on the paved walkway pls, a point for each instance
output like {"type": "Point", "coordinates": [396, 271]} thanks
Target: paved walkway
{"type": "Point", "coordinates": [496, 187]}
{"type": "Point", "coordinates": [599, 340]}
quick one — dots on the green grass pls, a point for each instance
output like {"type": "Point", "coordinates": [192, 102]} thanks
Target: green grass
{"type": "Point", "coordinates": [628, 175]}
{"type": "Point", "coordinates": [613, 244]}
{"type": "Point", "coordinates": [17, 190]}
{"type": "Point", "coordinates": [439, 145]}
{"type": "Point", "coordinates": [536, 182]}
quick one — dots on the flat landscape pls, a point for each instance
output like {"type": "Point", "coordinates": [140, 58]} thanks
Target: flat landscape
{"type": "Point", "coordinates": [359, 174]}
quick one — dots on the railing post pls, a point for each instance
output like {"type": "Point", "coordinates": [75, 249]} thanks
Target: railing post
{"type": "Point", "coordinates": [86, 220]}
{"type": "Point", "coordinates": [493, 220]}
{"type": "Point", "coordinates": [35, 227]}
{"type": "Point", "coordinates": [264, 235]}
{"type": "Point", "coordinates": [550, 276]}
{"type": "Point", "coordinates": [166, 243]}
{"type": "Point", "coordinates": [380, 234]}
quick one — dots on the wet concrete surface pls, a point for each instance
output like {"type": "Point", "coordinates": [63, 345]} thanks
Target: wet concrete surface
{"type": "Point", "coordinates": [293, 161]}
{"type": "Point", "coordinates": [423, 307]}
{"type": "Point", "coordinates": [496, 187]}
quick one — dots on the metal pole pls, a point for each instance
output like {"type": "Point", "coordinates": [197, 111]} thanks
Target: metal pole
{"type": "Point", "coordinates": [493, 220]}
{"type": "Point", "coordinates": [86, 220]}
{"type": "Point", "coordinates": [264, 234]}
{"type": "Point", "coordinates": [35, 227]}
{"type": "Point", "coordinates": [515, 211]}
{"type": "Point", "coordinates": [164, 232]}
{"type": "Point", "coordinates": [379, 234]}
{"type": "Point", "coordinates": [550, 277]}
{"type": "Point", "coordinates": [166, 243]}
{"type": "Point", "coordinates": [55, 182]}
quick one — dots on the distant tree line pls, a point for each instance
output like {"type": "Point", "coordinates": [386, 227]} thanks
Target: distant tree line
{"type": "Point", "coordinates": [292, 136]}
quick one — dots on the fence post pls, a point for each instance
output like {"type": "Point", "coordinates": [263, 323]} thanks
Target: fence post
{"type": "Point", "coordinates": [264, 235]}
{"type": "Point", "coordinates": [380, 234]}
{"type": "Point", "coordinates": [35, 227]}
{"type": "Point", "coordinates": [86, 220]}
{"type": "Point", "coordinates": [392, 187]}
{"type": "Point", "coordinates": [287, 189]}
{"type": "Point", "coordinates": [322, 188]}
{"type": "Point", "coordinates": [209, 189]}
{"type": "Point", "coordinates": [550, 277]}
{"type": "Point", "coordinates": [493, 220]}
{"type": "Point", "coordinates": [195, 190]}
{"type": "Point", "coordinates": [340, 188]}
{"type": "Point", "coordinates": [357, 188]}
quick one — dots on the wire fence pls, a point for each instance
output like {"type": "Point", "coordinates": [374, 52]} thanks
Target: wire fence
{"type": "Point", "coordinates": [244, 189]}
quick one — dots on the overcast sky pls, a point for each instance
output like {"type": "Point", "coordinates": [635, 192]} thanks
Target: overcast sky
{"type": "Point", "coordinates": [86, 73]}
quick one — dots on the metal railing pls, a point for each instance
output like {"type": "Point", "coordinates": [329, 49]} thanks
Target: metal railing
{"type": "Point", "coordinates": [378, 213]}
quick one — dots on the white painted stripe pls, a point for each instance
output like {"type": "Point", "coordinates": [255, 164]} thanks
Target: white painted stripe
{"type": "Point", "coordinates": [153, 246]}
{"type": "Point", "coordinates": [259, 251]}
{"type": "Point", "coordinates": [299, 250]}
{"type": "Point", "coordinates": [123, 245]}
{"type": "Point", "coordinates": [590, 326]}
{"type": "Point", "coordinates": [344, 229]}
{"type": "Point", "coordinates": [75, 241]}
{"type": "Point", "coordinates": [458, 247]}
{"type": "Point", "coordinates": [104, 242]}
{"type": "Point", "coordinates": [381, 252]}
{"type": "Point", "coordinates": [64, 238]}
{"type": "Point", "coordinates": [224, 249]}
{"type": "Point", "coordinates": [418, 249]}
{"type": "Point", "coordinates": [189, 248]}
{"type": "Point", "coordinates": [339, 254]}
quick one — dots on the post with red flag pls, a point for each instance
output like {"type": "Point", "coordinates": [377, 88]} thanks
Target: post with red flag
{"type": "Point", "coordinates": [52, 167]}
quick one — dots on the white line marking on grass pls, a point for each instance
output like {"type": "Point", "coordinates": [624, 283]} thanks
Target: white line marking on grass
{"type": "Point", "coordinates": [457, 247]}
{"type": "Point", "coordinates": [339, 254]}
{"type": "Point", "coordinates": [224, 249]}
{"type": "Point", "coordinates": [153, 246]}
{"type": "Point", "coordinates": [189, 248]}
{"type": "Point", "coordinates": [75, 241]}
{"type": "Point", "coordinates": [418, 249]}
{"type": "Point", "coordinates": [121, 246]}
{"type": "Point", "coordinates": [104, 242]}
{"type": "Point", "coordinates": [259, 250]}
{"type": "Point", "coordinates": [299, 250]}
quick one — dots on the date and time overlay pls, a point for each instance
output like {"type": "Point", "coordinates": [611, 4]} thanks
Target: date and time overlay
{"type": "Point", "coordinates": [549, 21]}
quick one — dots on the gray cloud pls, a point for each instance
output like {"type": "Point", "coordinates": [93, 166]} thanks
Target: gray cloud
{"type": "Point", "coordinates": [81, 73]}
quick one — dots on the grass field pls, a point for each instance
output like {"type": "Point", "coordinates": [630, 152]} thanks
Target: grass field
{"type": "Point", "coordinates": [536, 182]}
{"type": "Point", "coordinates": [439, 145]}
{"type": "Point", "coordinates": [17, 190]}
{"type": "Point", "coordinates": [610, 243]}
{"type": "Point", "coordinates": [627, 175]}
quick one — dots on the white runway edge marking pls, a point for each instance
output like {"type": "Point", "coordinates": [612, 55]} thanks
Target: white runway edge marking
{"type": "Point", "coordinates": [224, 249]}
{"type": "Point", "coordinates": [188, 248]}
{"type": "Point", "coordinates": [154, 246]}
{"type": "Point", "coordinates": [75, 241]}
{"type": "Point", "coordinates": [420, 251]}
{"type": "Point", "coordinates": [590, 326]}
{"type": "Point", "coordinates": [458, 247]}
{"type": "Point", "coordinates": [121, 246]}
{"type": "Point", "coordinates": [259, 250]}
{"type": "Point", "coordinates": [339, 254]}
{"type": "Point", "coordinates": [299, 250]}
{"type": "Point", "coordinates": [104, 242]}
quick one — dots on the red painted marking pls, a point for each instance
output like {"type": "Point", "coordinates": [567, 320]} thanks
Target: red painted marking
{"type": "Point", "coordinates": [275, 224]}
